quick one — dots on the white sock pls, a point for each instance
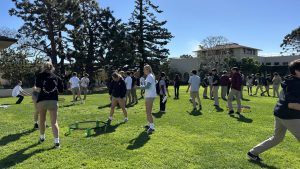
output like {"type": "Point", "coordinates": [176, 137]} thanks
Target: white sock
{"type": "Point", "coordinates": [36, 122]}
{"type": "Point", "coordinates": [56, 140]}
{"type": "Point", "coordinates": [151, 125]}
{"type": "Point", "coordinates": [42, 136]}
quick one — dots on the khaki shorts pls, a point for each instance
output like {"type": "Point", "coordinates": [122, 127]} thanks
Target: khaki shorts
{"type": "Point", "coordinates": [84, 89]}
{"type": "Point", "coordinates": [76, 90]}
{"type": "Point", "coordinates": [48, 105]}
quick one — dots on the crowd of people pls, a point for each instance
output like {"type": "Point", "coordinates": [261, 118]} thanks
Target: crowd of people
{"type": "Point", "coordinates": [123, 88]}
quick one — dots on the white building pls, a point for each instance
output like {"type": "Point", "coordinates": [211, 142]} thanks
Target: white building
{"type": "Point", "coordinates": [277, 60]}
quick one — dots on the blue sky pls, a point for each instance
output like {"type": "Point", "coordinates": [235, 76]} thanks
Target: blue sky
{"type": "Point", "coordinates": [256, 23]}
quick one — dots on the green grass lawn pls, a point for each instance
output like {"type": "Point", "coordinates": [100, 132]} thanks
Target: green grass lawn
{"type": "Point", "coordinates": [182, 139]}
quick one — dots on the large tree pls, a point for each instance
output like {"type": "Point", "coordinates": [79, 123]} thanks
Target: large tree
{"type": "Point", "coordinates": [291, 42]}
{"type": "Point", "coordinates": [149, 34]}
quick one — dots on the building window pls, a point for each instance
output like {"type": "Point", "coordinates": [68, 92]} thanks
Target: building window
{"type": "Point", "coordinates": [285, 63]}
{"type": "Point", "coordinates": [268, 63]}
{"type": "Point", "coordinates": [276, 63]}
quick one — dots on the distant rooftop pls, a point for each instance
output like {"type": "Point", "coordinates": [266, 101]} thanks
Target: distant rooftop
{"type": "Point", "coordinates": [226, 46]}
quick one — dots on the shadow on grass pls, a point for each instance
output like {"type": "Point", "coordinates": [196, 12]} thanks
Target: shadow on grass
{"type": "Point", "coordinates": [14, 137]}
{"type": "Point", "coordinates": [219, 109]}
{"type": "Point", "coordinates": [105, 106]}
{"type": "Point", "coordinates": [19, 156]}
{"type": "Point", "coordinates": [67, 105]}
{"type": "Point", "coordinates": [194, 113]}
{"type": "Point", "coordinates": [262, 165]}
{"type": "Point", "coordinates": [242, 118]}
{"type": "Point", "coordinates": [247, 100]}
{"type": "Point", "coordinates": [139, 141]}
{"type": "Point", "coordinates": [158, 114]}
{"type": "Point", "coordinates": [109, 129]}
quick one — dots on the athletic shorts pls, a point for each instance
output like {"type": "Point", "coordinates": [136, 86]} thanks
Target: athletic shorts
{"type": "Point", "coordinates": [48, 105]}
{"type": "Point", "coordinates": [76, 90]}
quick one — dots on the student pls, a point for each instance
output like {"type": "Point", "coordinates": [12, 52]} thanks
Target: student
{"type": "Point", "coordinates": [167, 85]}
{"type": "Point", "coordinates": [286, 112]}
{"type": "Point", "coordinates": [34, 98]}
{"type": "Point", "coordinates": [249, 83]}
{"type": "Point", "coordinates": [84, 82]}
{"type": "Point", "coordinates": [236, 87]}
{"type": "Point", "coordinates": [267, 82]}
{"type": "Point", "coordinates": [205, 84]}
{"type": "Point", "coordinates": [133, 87]}
{"type": "Point", "coordinates": [216, 83]}
{"type": "Point", "coordinates": [128, 82]}
{"type": "Point", "coordinates": [224, 81]}
{"type": "Point", "coordinates": [150, 94]}
{"type": "Point", "coordinates": [19, 92]}
{"type": "Point", "coordinates": [142, 83]}
{"type": "Point", "coordinates": [176, 86]}
{"type": "Point", "coordinates": [259, 82]}
{"type": "Point", "coordinates": [243, 84]}
{"type": "Point", "coordinates": [117, 91]}
{"type": "Point", "coordinates": [194, 84]}
{"type": "Point", "coordinates": [276, 82]}
{"type": "Point", "coordinates": [162, 92]}
{"type": "Point", "coordinates": [210, 82]}
{"type": "Point", "coordinates": [75, 86]}
{"type": "Point", "coordinates": [48, 85]}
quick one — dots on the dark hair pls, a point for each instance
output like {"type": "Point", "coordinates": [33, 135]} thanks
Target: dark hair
{"type": "Point", "coordinates": [162, 74]}
{"type": "Point", "coordinates": [194, 71]}
{"type": "Point", "coordinates": [115, 75]}
{"type": "Point", "coordinates": [177, 77]}
{"type": "Point", "coordinates": [86, 74]}
{"type": "Point", "coordinates": [275, 73]}
{"type": "Point", "coordinates": [19, 81]}
{"type": "Point", "coordinates": [128, 73]}
{"type": "Point", "coordinates": [74, 74]}
{"type": "Point", "coordinates": [235, 68]}
{"type": "Point", "coordinates": [294, 65]}
{"type": "Point", "coordinates": [214, 69]}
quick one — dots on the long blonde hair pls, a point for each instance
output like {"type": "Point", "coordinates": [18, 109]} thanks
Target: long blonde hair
{"type": "Point", "coordinates": [149, 68]}
{"type": "Point", "coordinates": [48, 66]}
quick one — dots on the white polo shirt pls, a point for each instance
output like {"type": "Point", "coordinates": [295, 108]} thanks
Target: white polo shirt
{"type": "Point", "coordinates": [128, 82]}
{"type": "Point", "coordinates": [195, 82]}
{"type": "Point", "coordinates": [74, 82]}
{"type": "Point", "coordinates": [16, 91]}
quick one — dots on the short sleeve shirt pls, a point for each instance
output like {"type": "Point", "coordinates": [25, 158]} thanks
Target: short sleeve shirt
{"type": "Point", "coordinates": [195, 82]}
{"type": "Point", "coordinates": [74, 82]}
{"type": "Point", "coordinates": [150, 92]}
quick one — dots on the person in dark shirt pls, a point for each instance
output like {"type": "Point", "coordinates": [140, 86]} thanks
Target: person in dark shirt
{"type": "Point", "coordinates": [216, 84]}
{"type": "Point", "coordinates": [117, 91]}
{"type": "Point", "coordinates": [48, 85]}
{"type": "Point", "coordinates": [267, 83]}
{"type": "Point", "coordinates": [176, 86]}
{"type": "Point", "coordinates": [134, 78]}
{"type": "Point", "coordinates": [224, 81]}
{"type": "Point", "coordinates": [235, 91]}
{"type": "Point", "coordinates": [259, 83]}
{"type": "Point", "coordinates": [205, 84]}
{"type": "Point", "coordinates": [286, 112]}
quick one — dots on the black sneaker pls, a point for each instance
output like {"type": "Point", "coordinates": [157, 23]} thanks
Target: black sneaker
{"type": "Point", "coordinates": [36, 126]}
{"type": "Point", "coordinates": [146, 127]}
{"type": "Point", "coordinates": [150, 130]}
{"type": "Point", "coordinates": [231, 112]}
{"type": "Point", "coordinates": [254, 157]}
{"type": "Point", "coordinates": [108, 122]}
{"type": "Point", "coordinates": [56, 145]}
{"type": "Point", "coordinates": [238, 113]}
{"type": "Point", "coordinates": [41, 140]}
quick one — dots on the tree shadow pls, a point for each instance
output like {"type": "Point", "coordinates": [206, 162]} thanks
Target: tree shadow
{"type": "Point", "coordinates": [19, 156]}
{"type": "Point", "coordinates": [158, 114]}
{"type": "Point", "coordinates": [194, 113]}
{"type": "Point", "coordinates": [242, 118]}
{"type": "Point", "coordinates": [106, 129]}
{"type": "Point", "coordinates": [14, 137]}
{"type": "Point", "coordinates": [262, 165]}
{"type": "Point", "coordinates": [104, 106]}
{"type": "Point", "coordinates": [139, 141]}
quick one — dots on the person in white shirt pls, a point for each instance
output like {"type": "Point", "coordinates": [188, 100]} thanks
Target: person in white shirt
{"type": "Point", "coordinates": [142, 83]}
{"type": "Point", "coordinates": [128, 82]}
{"type": "Point", "coordinates": [19, 92]}
{"type": "Point", "coordinates": [150, 94]}
{"type": "Point", "coordinates": [194, 84]}
{"type": "Point", "coordinates": [84, 82]}
{"type": "Point", "coordinates": [75, 87]}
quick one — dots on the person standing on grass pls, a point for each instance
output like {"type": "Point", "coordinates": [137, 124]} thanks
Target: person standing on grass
{"type": "Point", "coordinates": [117, 91]}
{"type": "Point", "coordinates": [210, 82]}
{"type": "Point", "coordinates": [249, 84]}
{"type": "Point", "coordinates": [133, 87]}
{"type": "Point", "coordinates": [276, 82]}
{"type": "Point", "coordinates": [235, 92]}
{"type": "Point", "coordinates": [150, 94]}
{"type": "Point", "coordinates": [259, 83]}
{"type": "Point", "coordinates": [34, 98]}
{"type": "Point", "coordinates": [205, 84]}
{"type": "Point", "coordinates": [19, 92]}
{"type": "Point", "coordinates": [75, 87]}
{"type": "Point", "coordinates": [267, 82]}
{"type": "Point", "coordinates": [48, 85]}
{"type": "Point", "coordinates": [84, 82]}
{"type": "Point", "coordinates": [162, 92]}
{"type": "Point", "coordinates": [142, 83]}
{"type": "Point", "coordinates": [224, 81]}
{"type": "Point", "coordinates": [176, 86]}
{"type": "Point", "coordinates": [128, 82]}
{"type": "Point", "coordinates": [286, 112]}
{"type": "Point", "coordinates": [216, 83]}
{"type": "Point", "coordinates": [243, 84]}
{"type": "Point", "coordinates": [194, 84]}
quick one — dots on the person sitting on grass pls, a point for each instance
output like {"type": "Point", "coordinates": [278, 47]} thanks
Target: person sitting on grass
{"type": "Point", "coordinates": [19, 92]}
{"type": "Point", "coordinates": [236, 87]}
{"type": "Point", "coordinates": [286, 112]}
{"type": "Point", "coordinates": [194, 84]}
{"type": "Point", "coordinates": [117, 91]}
{"type": "Point", "coordinates": [48, 85]}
